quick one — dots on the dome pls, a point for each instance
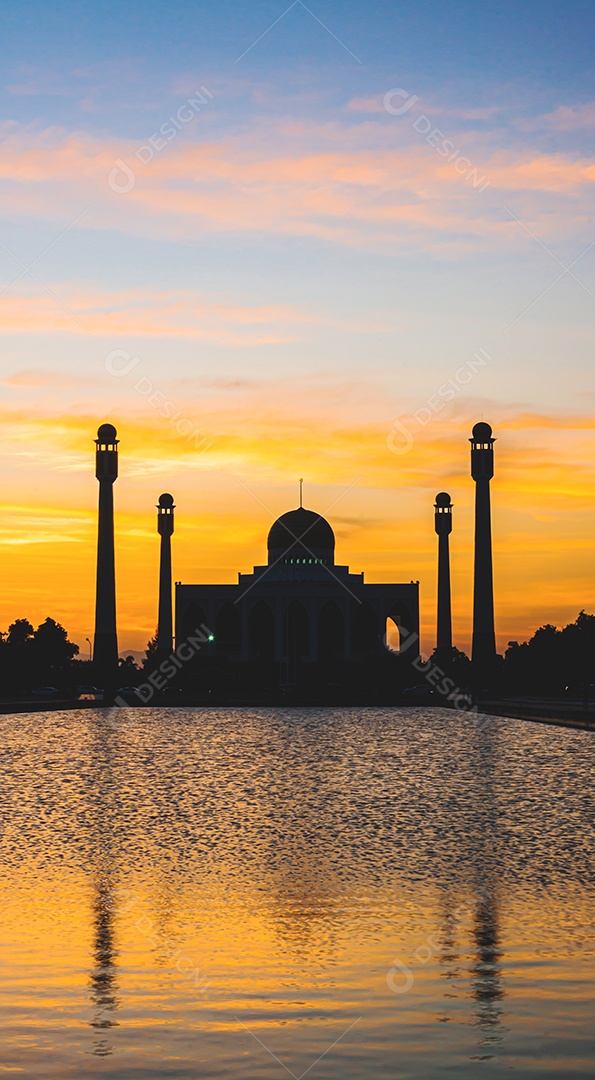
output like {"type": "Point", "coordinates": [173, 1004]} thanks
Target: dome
{"type": "Point", "coordinates": [443, 499]}
{"type": "Point", "coordinates": [482, 432]}
{"type": "Point", "coordinates": [301, 533]}
{"type": "Point", "coordinates": [166, 500]}
{"type": "Point", "coordinates": [107, 434]}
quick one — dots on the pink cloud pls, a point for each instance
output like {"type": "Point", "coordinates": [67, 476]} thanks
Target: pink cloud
{"type": "Point", "coordinates": [34, 379]}
{"type": "Point", "coordinates": [367, 105]}
{"type": "Point", "coordinates": [374, 184]}
{"type": "Point", "coordinates": [155, 314]}
{"type": "Point", "coordinates": [571, 117]}
{"type": "Point", "coordinates": [375, 105]}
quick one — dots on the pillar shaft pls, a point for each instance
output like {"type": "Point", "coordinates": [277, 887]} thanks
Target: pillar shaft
{"type": "Point", "coordinates": [444, 617]}
{"type": "Point", "coordinates": [484, 638]}
{"type": "Point", "coordinates": [165, 619]}
{"type": "Point", "coordinates": [105, 650]}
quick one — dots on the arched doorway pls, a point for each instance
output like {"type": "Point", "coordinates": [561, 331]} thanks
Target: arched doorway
{"type": "Point", "coordinates": [331, 633]}
{"type": "Point", "coordinates": [296, 640]}
{"type": "Point", "coordinates": [261, 632]}
{"type": "Point", "coordinates": [228, 629]}
{"type": "Point", "coordinates": [194, 621]}
{"type": "Point", "coordinates": [392, 635]}
{"type": "Point", "coordinates": [365, 630]}
{"type": "Point", "coordinates": [194, 632]}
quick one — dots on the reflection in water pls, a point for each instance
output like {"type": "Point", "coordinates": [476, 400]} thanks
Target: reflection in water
{"type": "Point", "coordinates": [486, 971]}
{"type": "Point", "coordinates": [104, 990]}
{"type": "Point", "coordinates": [101, 843]}
{"type": "Point", "coordinates": [478, 916]}
{"type": "Point", "coordinates": [306, 894]}
{"type": "Point", "coordinates": [287, 855]}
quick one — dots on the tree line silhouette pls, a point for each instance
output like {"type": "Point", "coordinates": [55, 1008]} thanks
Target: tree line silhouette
{"type": "Point", "coordinates": [554, 661]}
{"type": "Point", "coordinates": [32, 658]}
{"type": "Point", "coordinates": [29, 657]}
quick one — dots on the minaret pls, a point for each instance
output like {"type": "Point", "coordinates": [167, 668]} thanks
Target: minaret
{"type": "Point", "coordinates": [105, 649]}
{"type": "Point", "coordinates": [483, 651]}
{"type": "Point", "coordinates": [165, 527]}
{"type": "Point", "coordinates": [443, 526]}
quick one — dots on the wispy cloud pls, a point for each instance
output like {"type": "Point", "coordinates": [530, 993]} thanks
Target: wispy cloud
{"type": "Point", "coordinates": [375, 106]}
{"type": "Point", "coordinates": [569, 118]}
{"type": "Point", "coordinates": [373, 184]}
{"type": "Point", "coordinates": [33, 378]}
{"type": "Point", "coordinates": [148, 313]}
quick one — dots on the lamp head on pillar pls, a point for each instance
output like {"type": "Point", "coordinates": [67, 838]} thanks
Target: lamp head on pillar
{"type": "Point", "coordinates": [443, 514]}
{"type": "Point", "coordinates": [482, 452]}
{"type": "Point", "coordinates": [106, 454]}
{"type": "Point", "coordinates": [165, 514]}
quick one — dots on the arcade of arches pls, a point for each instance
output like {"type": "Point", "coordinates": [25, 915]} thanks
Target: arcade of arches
{"type": "Point", "coordinates": [301, 614]}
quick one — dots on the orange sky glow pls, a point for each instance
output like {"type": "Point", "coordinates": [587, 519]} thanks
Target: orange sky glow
{"type": "Point", "coordinates": [229, 492]}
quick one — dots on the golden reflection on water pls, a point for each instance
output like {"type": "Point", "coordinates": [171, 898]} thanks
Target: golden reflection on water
{"type": "Point", "coordinates": [193, 894]}
{"type": "Point", "coordinates": [104, 991]}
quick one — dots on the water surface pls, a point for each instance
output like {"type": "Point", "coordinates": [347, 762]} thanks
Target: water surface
{"type": "Point", "coordinates": [268, 893]}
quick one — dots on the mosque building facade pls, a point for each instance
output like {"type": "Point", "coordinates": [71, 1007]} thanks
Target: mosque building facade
{"type": "Point", "coordinates": [301, 618]}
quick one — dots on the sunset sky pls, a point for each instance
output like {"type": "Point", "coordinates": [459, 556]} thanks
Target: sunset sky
{"type": "Point", "coordinates": [366, 228]}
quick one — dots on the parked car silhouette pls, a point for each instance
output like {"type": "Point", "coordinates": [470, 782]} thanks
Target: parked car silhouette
{"type": "Point", "coordinates": [131, 695]}
{"type": "Point", "coordinates": [45, 692]}
{"type": "Point", "coordinates": [89, 693]}
{"type": "Point", "coordinates": [420, 693]}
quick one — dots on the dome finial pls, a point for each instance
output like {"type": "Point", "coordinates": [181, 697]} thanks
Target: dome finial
{"type": "Point", "coordinates": [482, 432]}
{"type": "Point", "coordinates": [302, 534]}
{"type": "Point", "coordinates": [301, 491]}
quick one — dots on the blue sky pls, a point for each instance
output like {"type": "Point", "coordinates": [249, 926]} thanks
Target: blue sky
{"type": "Point", "coordinates": [439, 40]}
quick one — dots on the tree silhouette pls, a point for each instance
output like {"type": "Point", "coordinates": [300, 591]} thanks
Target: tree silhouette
{"type": "Point", "coordinates": [150, 657]}
{"type": "Point", "coordinates": [30, 658]}
{"type": "Point", "coordinates": [456, 665]}
{"type": "Point", "coordinates": [128, 670]}
{"type": "Point", "coordinates": [553, 659]}
{"type": "Point", "coordinates": [51, 646]}
{"type": "Point", "coordinates": [20, 633]}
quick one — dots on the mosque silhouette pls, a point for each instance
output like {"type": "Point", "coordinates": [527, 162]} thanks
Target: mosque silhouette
{"type": "Point", "coordinates": [301, 620]}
